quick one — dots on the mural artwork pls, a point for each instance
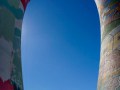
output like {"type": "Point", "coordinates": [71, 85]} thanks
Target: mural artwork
{"type": "Point", "coordinates": [11, 16]}
{"type": "Point", "coordinates": [109, 72]}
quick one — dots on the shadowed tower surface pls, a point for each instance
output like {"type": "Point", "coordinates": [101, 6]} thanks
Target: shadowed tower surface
{"type": "Point", "coordinates": [109, 70]}
{"type": "Point", "coordinates": [11, 16]}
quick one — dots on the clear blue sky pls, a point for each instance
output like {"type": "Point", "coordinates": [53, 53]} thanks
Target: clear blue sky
{"type": "Point", "coordinates": [61, 45]}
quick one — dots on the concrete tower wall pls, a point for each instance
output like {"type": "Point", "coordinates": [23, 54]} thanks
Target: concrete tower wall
{"type": "Point", "coordinates": [11, 16]}
{"type": "Point", "coordinates": [109, 70]}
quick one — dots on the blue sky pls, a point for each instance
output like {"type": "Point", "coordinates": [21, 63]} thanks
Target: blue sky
{"type": "Point", "coordinates": [61, 45]}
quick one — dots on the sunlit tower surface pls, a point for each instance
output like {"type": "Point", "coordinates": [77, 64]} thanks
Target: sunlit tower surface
{"type": "Point", "coordinates": [11, 17]}
{"type": "Point", "coordinates": [109, 70]}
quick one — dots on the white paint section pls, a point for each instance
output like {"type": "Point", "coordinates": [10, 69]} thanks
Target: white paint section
{"type": "Point", "coordinates": [6, 59]}
{"type": "Point", "coordinates": [18, 24]}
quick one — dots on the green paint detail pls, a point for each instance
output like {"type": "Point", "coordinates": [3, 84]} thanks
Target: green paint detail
{"type": "Point", "coordinates": [110, 27]}
{"type": "Point", "coordinates": [112, 2]}
{"type": "Point", "coordinates": [118, 88]}
{"type": "Point", "coordinates": [18, 13]}
{"type": "Point", "coordinates": [17, 62]}
{"type": "Point", "coordinates": [7, 22]}
{"type": "Point", "coordinates": [107, 4]}
{"type": "Point", "coordinates": [14, 3]}
{"type": "Point", "coordinates": [17, 70]}
{"type": "Point", "coordinates": [17, 32]}
{"type": "Point", "coordinates": [16, 43]}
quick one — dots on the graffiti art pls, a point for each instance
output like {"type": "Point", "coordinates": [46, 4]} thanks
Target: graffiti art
{"type": "Point", "coordinates": [11, 17]}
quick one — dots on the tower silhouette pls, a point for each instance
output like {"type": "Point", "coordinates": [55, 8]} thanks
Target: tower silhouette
{"type": "Point", "coordinates": [109, 69]}
{"type": "Point", "coordinates": [11, 16]}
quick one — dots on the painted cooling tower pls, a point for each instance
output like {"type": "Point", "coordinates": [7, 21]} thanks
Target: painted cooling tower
{"type": "Point", "coordinates": [11, 16]}
{"type": "Point", "coordinates": [109, 70]}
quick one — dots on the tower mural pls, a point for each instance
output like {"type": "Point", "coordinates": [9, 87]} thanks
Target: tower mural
{"type": "Point", "coordinates": [11, 17]}
{"type": "Point", "coordinates": [109, 69]}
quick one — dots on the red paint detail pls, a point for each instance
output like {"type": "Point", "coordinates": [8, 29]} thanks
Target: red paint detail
{"type": "Point", "coordinates": [6, 85]}
{"type": "Point", "coordinates": [25, 2]}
